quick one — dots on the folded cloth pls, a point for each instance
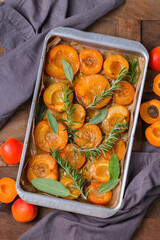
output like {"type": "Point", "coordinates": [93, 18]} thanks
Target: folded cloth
{"type": "Point", "coordinates": [143, 188]}
{"type": "Point", "coordinates": [23, 27]}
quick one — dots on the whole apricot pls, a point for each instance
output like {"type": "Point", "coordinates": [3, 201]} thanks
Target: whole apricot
{"type": "Point", "coordinates": [24, 212]}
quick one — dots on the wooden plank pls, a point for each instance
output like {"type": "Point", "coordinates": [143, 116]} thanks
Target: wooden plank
{"type": "Point", "coordinates": [130, 29]}
{"type": "Point", "coordinates": [149, 230]}
{"type": "Point", "coordinates": [103, 27]}
{"type": "Point", "coordinates": [136, 9]}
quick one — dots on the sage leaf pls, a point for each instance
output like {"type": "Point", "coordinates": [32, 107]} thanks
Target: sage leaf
{"type": "Point", "coordinates": [109, 185]}
{"type": "Point", "coordinates": [99, 117]}
{"type": "Point", "coordinates": [50, 186]}
{"type": "Point", "coordinates": [52, 122]}
{"type": "Point", "coordinates": [40, 110]}
{"type": "Point", "coordinates": [114, 168]}
{"type": "Point", "coordinates": [68, 70]}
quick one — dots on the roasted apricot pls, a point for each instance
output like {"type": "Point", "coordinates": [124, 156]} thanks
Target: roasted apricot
{"type": "Point", "coordinates": [42, 166]}
{"type": "Point", "coordinates": [24, 212]}
{"type": "Point", "coordinates": [153, 134]}
{"type": "Point", "coordinates": [156, 85]}
{"type": "Point", "coordinates": [118, 149]}
{"type": "Point", "coordinates": [125, 94]}
{"type": "Point", "coordinates": [7, 190]}
{"type": "Point", "coordinates": [114, 64]}
{"type": "Point", "coordinates": [88, 87]}
{"type": "Point", "coordinates": [54, 96]}
{"type": "Point", "coordinates": [150, 111]}
{"type": "Point", "coordinates": [77, 117]}
{"type": "Point", "coordinates": [54, 66]}
{"type": "Point", "coordinates": [116, 114]}
{"type": "Point", "coordinates": [69, 184]}
{"type": "Point", "coordinates": [88, 136]}
{"type": "Point", "coordinates": [75, 159]}
{"type": "Point", "coordinates": [99, 171]}
{"type": "Point", "coordinates": [91, 61]}
{"type": "Point", "coordinates": [96, 197]}
{"type": "Point", "coordinates": [45, 138]}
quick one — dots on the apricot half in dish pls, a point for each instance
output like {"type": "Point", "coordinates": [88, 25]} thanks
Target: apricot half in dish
{"type": "Point", "coordinates": [88, 87]}
{"type": "Point", "coordinates": [69, 184]}
{"type": "Point", "coordinates": [116, 114]}
{"type": "Point", "coordinates": [125, 94]}
{"type": "Point", "coordinates": [91, 61]}
{"type": "Point", "coordinates": [54, 96]}
{"type": "Point", "coordinates": [54, 66]}
{"type": "Point", "coordinates": [99, 171]}
{"type": "Point", "coordinates": [42, 166]}
{"type": "Point", "coordinates": [114, 64]}
{"type": "Point", "coordinates": [45, 138]}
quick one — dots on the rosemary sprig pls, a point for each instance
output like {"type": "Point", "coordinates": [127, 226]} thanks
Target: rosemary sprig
{"type": "Point", "coordinates": [107, 93]}
{"type": "Point", "coordinates": [105, 146]}
{"type": "Point", "coordinates": [79, 182]}
{"type": "Point", "coordinates": [133, 73]}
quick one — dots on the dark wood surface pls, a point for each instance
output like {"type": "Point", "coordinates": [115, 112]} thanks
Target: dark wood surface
{"type": "Point", "coordinates": [137, 20]}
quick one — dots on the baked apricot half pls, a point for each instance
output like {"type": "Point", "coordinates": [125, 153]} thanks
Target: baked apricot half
{"type": "Point", "coordinates": [150, 111]}
{"type": "Point", "coordinates": [88, 136]}
{"type": "Point", "coordinates": [75, 159]}
{"type": "Point", "coordinates": [42, 166]}
{"type": "Point", "coordinates": [45, 138]}
{"type": "Point", "coordinates": [91, 61]}
{"type": "Point", "coordinates": [96, 197]}
{"type": "Point", "coordinates": [116, 114]}
{"type": "Point", "coordinates": [114, 64]}
{"type": "Point", "coordinates": [54, 96]}
{"type": "Point", "coordinates": [54, 66]}
{"type": "Point", "coordinates": [88, 87]}
{"type": "Point", "coordinates": [125, 94]}
{"type": "Point", "coordinates": [77, 117]}
{"type": "Point", "coordinates": [69, 184]}
{"type": "Point", "coordinates": [156, 85]}
{"type": "Point", "coordinates": [153, 134]}
{"type": "Point", "coordinates": [99, 171]}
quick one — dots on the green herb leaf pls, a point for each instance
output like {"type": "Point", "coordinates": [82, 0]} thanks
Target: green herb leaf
{"type": "Point", "coordinates": [50, 186]}
{"type": "Point", "coordinates": [40, 110]}
{"type": "Point", "coordinates": [114, 167]}
{"type": "Point", "coordinates": [52, 122]}
{"type": "Point", "coordinates": [109, 185]}
{"type": "Point", "coordinates": [68, 70]}
{"type": "Point", "coordinates": [99, 117]}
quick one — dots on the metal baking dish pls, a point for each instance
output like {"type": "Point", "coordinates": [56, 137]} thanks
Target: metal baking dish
{"type": "Point", "coordinates": [92, 40]}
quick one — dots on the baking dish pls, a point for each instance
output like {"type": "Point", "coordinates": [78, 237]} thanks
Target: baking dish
{"type": "Point", "coordinates": [96, 41]}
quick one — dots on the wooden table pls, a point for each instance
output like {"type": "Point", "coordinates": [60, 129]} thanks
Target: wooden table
{"type": "Point", "coordinates": [137, 20]}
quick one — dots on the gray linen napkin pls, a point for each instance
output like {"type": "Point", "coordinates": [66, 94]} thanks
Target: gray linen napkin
{"type": "Point", "coordinates": [23, 26]}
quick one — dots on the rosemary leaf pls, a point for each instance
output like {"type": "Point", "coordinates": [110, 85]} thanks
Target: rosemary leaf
{"type": "Point", "coordinates": [52, 122]}
{"type": "Point", "coordinates": [114, 168]}
{"type": "Point", "coordinates": [68, 70]}
{"type": "Point", "coordinates": [99, 117]}
{"type": "Point", "coordinates": [133, 73]}
{"type": "Point", "coordinates": [109, 185]}
{"type": "Point", "coordinates": [50, 186]}
{"type": "Point", "coordinates": [40, 110]}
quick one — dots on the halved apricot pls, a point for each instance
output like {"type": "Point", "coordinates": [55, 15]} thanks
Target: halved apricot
{"type": "Point", "coordinates": [118, 149]}
{"type": "Point", "coordinates": [153, 134]}
{"type": "Point", "coordinates": [156, 85]}
{"type": "Point", "coordinates": [114, 64]}
{"type": "Point", "coordinates": [96, 197]}
{"type": "Point", "coordinates": [42, 166]}
{"type": "Point", "coordinates": [87, 88]}
{"type": "Point", "coordinates": [54, 96]}
{"type": "Point", "coordinates": [45, 138]}
{"type": "Point", "coordinates": [69, 184]}
{"type": "Point", "coordinates": [99, 171]}
{"type": "Point", "coordinates": [77, 117]}
{"type": "Point", "coordinates": [88, 136]}
{"type": "Point", "coordinates": [7, 190]}
{"type": "Point", "coordinates": [54, 66]}
{"type": "Point", "coordinates": [125, 94]}
{"type": "Point", "coordinates": [91, 61]}
{"type": "Point", "coordinates": [150, 111]}
{"type": "Point", "coordinates": [75, 159]}
{"type": "Point", "coordinates": [116, 114]}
